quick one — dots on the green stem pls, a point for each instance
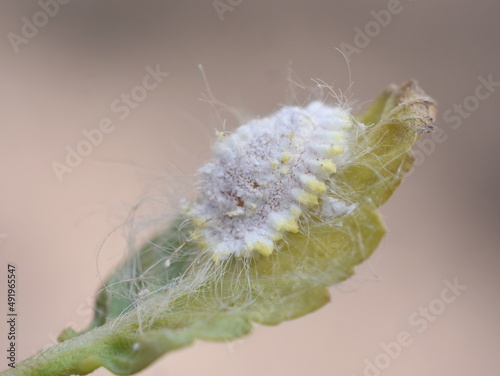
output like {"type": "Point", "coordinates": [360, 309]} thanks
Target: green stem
{"type": "Point", "coordinates": [119, 345]}
{"type": "Point", "coordinates": [78, 356]}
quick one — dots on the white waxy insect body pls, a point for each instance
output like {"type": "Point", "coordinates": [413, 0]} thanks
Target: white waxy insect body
{"type": "Point", "coordinates": [266, 174]}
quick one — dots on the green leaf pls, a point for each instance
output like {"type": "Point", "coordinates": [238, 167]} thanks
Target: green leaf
{"type": "Point", "coordinates": [148, 309]}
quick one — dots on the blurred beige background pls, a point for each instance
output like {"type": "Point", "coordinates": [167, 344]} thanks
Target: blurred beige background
{"type": "Point", "coordinates": [443, 221]}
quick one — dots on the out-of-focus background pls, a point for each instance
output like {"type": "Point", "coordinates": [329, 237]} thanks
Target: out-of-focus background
{"type": "Point", "coordinates": [64, 67]}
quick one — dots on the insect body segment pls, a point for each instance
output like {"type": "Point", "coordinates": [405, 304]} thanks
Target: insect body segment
{"type": "Point", "coordinates": [266, 176]}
